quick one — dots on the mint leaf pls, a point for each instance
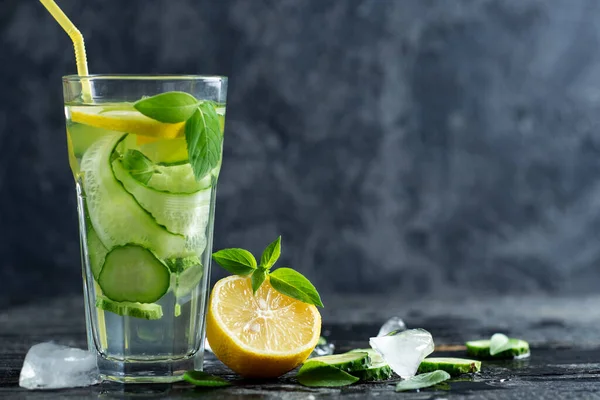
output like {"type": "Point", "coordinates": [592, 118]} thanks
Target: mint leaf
{"type": "Point", "coordinates": [271, 254]}
{"type": "Point", "coordinates": [423, 380]}
{"type": "Point", "coordinates": [200, 378]}
{"type": "Point", "coordinates": [258, 277]}
{"type": "Point", "coordinates": [169, 107]}
{"type": "Point", "coordinates": [319, 374]}
{"type": "Point", "coordinates": [138, 165]}
{"type": "Point", "coordinates": [295, 285]}
{"type": "Point", "coordinates": [499, 343]}
{"type": "Point", "coordinates": [236, 261]}
{"type": "Point", "coordinates": [204, 139]}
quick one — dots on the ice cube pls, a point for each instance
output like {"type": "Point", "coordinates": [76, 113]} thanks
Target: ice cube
{"type": "Point", "coordinates": [53, 366]}
{"type": "Point", "coordinates": [404, 351]}
{"type": "Point", "coordinates": [394, 324]}
{"type": "Point", "coordinates": [323, 348]}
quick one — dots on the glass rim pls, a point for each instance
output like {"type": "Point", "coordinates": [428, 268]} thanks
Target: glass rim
{"type": "Point", "coordinates": [142, 77]}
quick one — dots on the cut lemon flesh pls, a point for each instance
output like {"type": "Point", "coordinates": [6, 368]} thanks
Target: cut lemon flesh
{"type": "Point", "coordinates": [124, 118]}
{"type": "Point", "coordinates": [263, 335]}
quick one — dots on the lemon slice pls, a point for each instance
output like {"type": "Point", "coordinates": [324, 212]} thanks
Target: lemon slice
{"type": "Point", "coordinates": [263, 335]}
{"type": "Point", "coordinates": [125, 119]}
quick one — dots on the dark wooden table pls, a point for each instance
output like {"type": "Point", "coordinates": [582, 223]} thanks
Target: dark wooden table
{"type": "Point", "coordinates": [565, 361]}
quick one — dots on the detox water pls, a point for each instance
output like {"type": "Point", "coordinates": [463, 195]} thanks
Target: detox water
{"type": "Point", "coordinates": [146, 220]}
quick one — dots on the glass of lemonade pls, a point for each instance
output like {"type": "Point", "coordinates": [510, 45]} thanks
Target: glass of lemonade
{"type": "Point", "coordinates": [146, 199]}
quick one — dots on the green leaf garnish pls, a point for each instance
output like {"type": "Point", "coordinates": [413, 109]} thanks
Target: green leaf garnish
{"type": "Point", "coordinates": [169, 107]}
{"type": "Point", "coordinates": [319, 374]}
{"type": "Point", "coordinates": [139, 166]}
{"type": "Point", "coordinates": [423, 380]}
{"type": "Point", "coordinates": [499, 343]}
{"type": "Point", "coordinates": [200, 378]}
{"type": "Point", "coordinates": [284, 280]}
{"type": "Point", "coordinates": [203, 126]}
{"type": "Point", "coordinates": [204, 139]}
{"type": "Point", "coordinates": [271, 254]}
{"type": "Point", "coordinates": [258, 277]}
{"type": "Point", "coordinates": [236, 261]}
{"type": "Point", "coordinates": [295, 285]}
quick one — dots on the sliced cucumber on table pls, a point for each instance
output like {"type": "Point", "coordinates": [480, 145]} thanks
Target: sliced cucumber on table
{"type": "Point", "coordinates": [379, 370]}
{"type": "Point", "coordinates": [453, 366]}
{"type": "Point", "coordinates": [348, 362]}
{"type": "Point", "coordinates": [481, 349]}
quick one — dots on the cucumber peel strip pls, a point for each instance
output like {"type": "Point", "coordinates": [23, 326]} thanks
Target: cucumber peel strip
{"type": "Point", "coordinates": [129, 309]}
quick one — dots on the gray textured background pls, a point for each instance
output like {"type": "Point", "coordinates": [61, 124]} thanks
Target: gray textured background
{"type": "Point", "coordinates": [408, 146]}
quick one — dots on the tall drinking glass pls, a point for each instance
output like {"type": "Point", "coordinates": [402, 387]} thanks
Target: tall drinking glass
{"type": "Point", "coordinates": [146, 210]}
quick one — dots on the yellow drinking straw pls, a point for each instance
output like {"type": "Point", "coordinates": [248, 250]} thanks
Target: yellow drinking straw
{"type": "Point", "coordinates": [78, 44]}
{"type": "Point", "coordinates": [86, 93]}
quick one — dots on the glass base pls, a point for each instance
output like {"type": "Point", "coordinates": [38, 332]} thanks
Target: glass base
{"type": "Point", "coordinates": [147, 371]}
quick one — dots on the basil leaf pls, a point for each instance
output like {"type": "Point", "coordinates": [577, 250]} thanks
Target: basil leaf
{"type": "Point", "coordinates": [258, 277]}
{"type": "Point", "coordinates": [169, 107]}
{"type": "Point", "coordinates": [200, 378]}
{"type": "Point", "coordinates": [295, 285]}
{"type": "Point", "coordinates": [319, 374]}
{"type": "Point", "coordinates": [138, 165]}
{"type": "Point", "coordinates": [423, 380]}
{"type": "Point", "coordinates": [271, 254]}
{"type": "Point", "coordinates": [236, 261]}
{"type": "Point", "coordinates": [499, 343]}
{"type": "Point", "coordinates": [204, 139]}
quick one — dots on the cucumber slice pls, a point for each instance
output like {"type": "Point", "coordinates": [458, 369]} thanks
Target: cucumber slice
{"type": "Point", "coordinates": [348, 362]}
{"type": "Point", "coordinates": [177, 265]}
{"type": "Point", "coordinates": [187, 280]}
{"type": "Point", "coordinates": [186, 274]}
{"type": "Point", "coordinates": [96, 252]}
{"type": "Point", "coordinates": [132, 273]}
{"type": "Point", "coordinates": [128, 309]}
{"type": "Point", "coordinates": [166, 151]}
{"type": "Point", "coordinates": [481, 349]}
{"type": "Point", "coordinates": [453, 366]}
{"type": "Point", "coordinates": [83, 136]}
{"type": "Point", "coordinates": [177, 179]}
{"type": "Point", "coordinates": [379, 369]}
{"type": "Point", "coordinates": [185, 214]}
{"type": "Point", "coordinates": [221, 113]}
{"type": "Point", "coordinates": [116, 216]}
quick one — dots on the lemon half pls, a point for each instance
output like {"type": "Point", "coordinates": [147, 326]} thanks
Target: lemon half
{"type": "Point", "coordinates": [263, 335]}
